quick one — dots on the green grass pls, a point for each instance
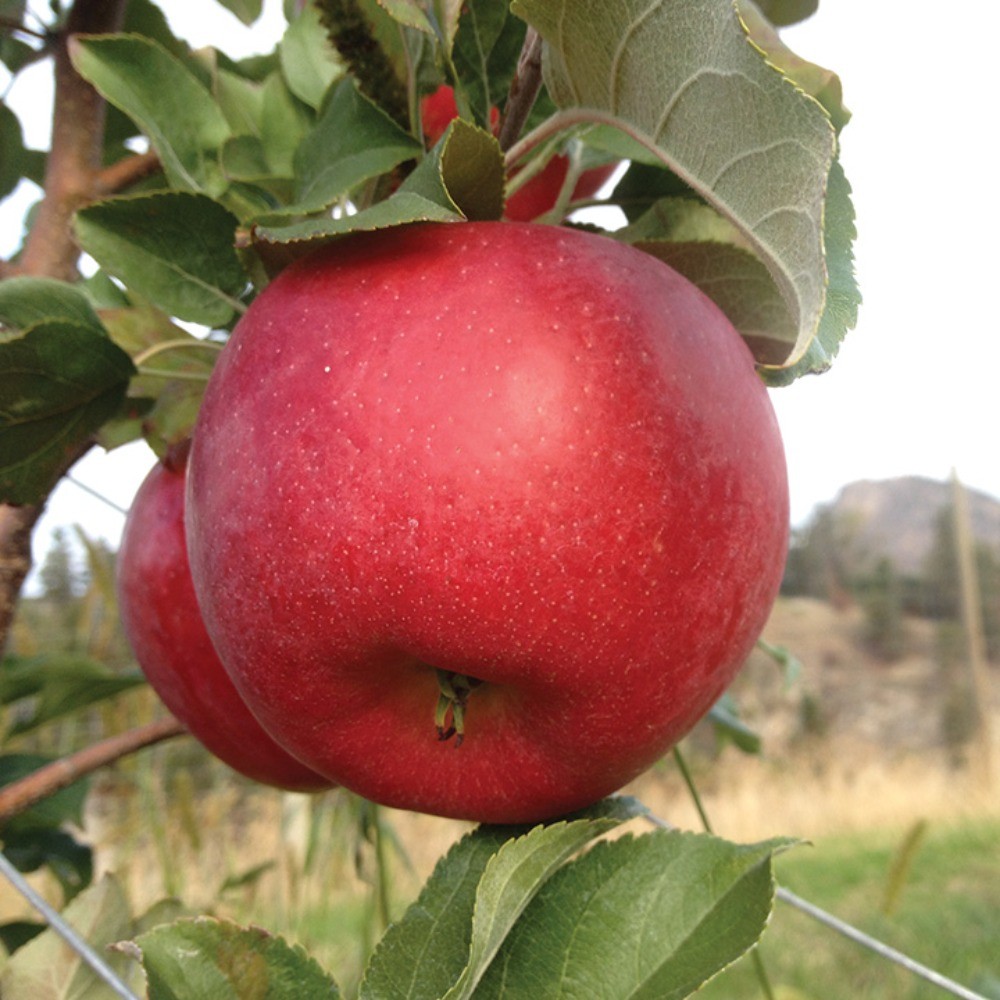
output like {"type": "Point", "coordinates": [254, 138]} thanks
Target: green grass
{"type": "Point", "coordinates": [946, 915]}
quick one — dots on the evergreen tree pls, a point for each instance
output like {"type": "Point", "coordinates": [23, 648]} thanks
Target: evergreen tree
{"type": "Point", "coordinates": [882, 602]}
{"type": "Point", "coordinates": [60, 583]}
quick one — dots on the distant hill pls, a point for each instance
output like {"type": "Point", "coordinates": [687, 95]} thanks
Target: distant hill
{"type": "Point", "coordinates": [898, 518]}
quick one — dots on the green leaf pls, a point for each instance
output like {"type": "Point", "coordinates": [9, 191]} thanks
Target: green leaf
{"type": "Point", "coordinates": [308, 60]}
{"type": "Point", "coordinates": [649, 917]}
{"type": "Point", "coordinates": [165, 99]}
{"type": "Point", "coordinates": [464, 172]}
{"type": "Point", "coordinates": [278, 243]}
{"type": "Point", "coordinates": [12, 144]}
{"type": "Point", "coordinates": [143, 17]}
{"type": "Point", "coordinates": [240, 99]}
{"type": "Point", "coordinates": [791, 665]}
{"type": "Point", "coordinates": [15, 54]}
{"type": "Point", "coordinates": [352, 142]}
{"type": "Point", "coordinates": [284, 123]}
{"type": "Point", "coordinates": [712, 253]}
{"type": "Point", "coordinates": [643, 185]}
{"type": "Point", "coordinates": [174, 248]}
{"type": "Point", "coordinates": [60, 382]}
{"type": "Point", "coordinates": [244, 158]}
{"type": "Point", "coordinates": [785, 12]}
{"type": "Point", "coordinates": [172, 377]}
{"type": "Point", "coordinates": [164, 398]}
{"type": "Point", "coordinates": [485, 54]}
{"type": "Point", "coordinates": [16, 933]}
{"type": "Point", "coordinates": [697, 97]}
{"type": "Point", "coordinates": [843, 296]}
{"type": "Point", "coordinates": [246, 10]}
{"type": "Point", "coordinates": [71, 862]}
{"type": "Point", "coordinates": [47, 968]}
{"type": "Point", "coordinates": [27, 302]}
{"type": "Point", "coordinates": [823, 84]}
{"type": "Point", "coordinates": [103, 292]}
{"type": "Point", "coordinates": [411, 13]}
{"type": "Point", "coordinates": [423, 954]}
{"type": "Point", "coordinates": [207, 959]}
{"type": "Point", "coordinates": [432, 17]}
{"type": "Point", "coordinates": [250, 877]}
{"type": "Point", "coordinates": [59, 683]}
{"type": "Point", "coordinates": [64, 806]}
{"type": "Point", "coordinates": [515, 874]}
{"type": "Point", "coordinates": [477, 891]}
{"type": "Point", "coordinates": [724, 715]}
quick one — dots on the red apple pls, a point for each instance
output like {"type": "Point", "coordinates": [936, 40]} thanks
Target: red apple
{"type": "Point", "coordinates": [536, 196]}
{"type": "Point", "coordinates": [166, 631]}
{"type": "Point", "coordinates": [528, 465]}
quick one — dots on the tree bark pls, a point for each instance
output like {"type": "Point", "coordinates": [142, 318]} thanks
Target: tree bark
{"type": "Point", "coordinates": [76, 150]}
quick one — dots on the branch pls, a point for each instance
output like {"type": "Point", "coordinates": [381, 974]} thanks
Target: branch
{"type": "Point", "coordinates": [15, 26]}
{"type": "Point", "coordinates": [77, 145]}
{"type": "Point", "coordinates": [125, 173]}
{"type": "Point", "coordinates": [21, 795]}
{"type": "Point", "coordinates": [523, 90]}
{"type": "Point", "coordinates": [16, 524]}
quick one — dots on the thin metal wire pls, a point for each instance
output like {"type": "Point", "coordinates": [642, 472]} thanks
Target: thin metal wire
{"type": "Point", "coordinates": [67, 933]}
{"type": "Point", "coordinates": [858, 936]}
{"type": "Point", "coordinates": [879, 947]}
{"type": "Point", "coordinates": [96, 494]}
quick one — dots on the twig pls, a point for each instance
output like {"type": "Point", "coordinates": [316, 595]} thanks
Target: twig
{"type": "Point", "coordinates": [523, 90]}
{"type": "Point", "coordinates": [125, 173]}
{"type": "Point", "coordinates": [20, 795]}
{"type": "Point", "coordinates": [65, 931]}
{"type": "Point", "coordinates": [14, 26]}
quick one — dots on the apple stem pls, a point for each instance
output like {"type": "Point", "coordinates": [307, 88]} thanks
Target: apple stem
{"type": "Point", "coordinates": [449, 715]}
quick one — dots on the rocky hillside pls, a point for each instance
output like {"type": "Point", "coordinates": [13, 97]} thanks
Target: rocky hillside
{"type": "Point", "coordinates": [898, 519]}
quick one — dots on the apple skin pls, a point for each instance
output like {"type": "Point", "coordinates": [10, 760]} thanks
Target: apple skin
{"type": "Point", "coordinates": [525, 454]}
{"type": "Point", "coordinates": [536, 196]}
{"type": "Point", "coordinates": [164, 627]}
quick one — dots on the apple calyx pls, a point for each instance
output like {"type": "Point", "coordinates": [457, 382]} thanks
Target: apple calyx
{"type": "Point", "coordinates": [449, 715]}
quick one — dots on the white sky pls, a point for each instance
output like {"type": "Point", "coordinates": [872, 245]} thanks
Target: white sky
{"type": "Point", "coordinates": [914, 388]}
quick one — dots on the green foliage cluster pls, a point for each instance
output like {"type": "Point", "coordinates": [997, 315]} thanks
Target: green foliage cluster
{"type": "Point", "coordinates": [251, 163]}
{"type": "Point", "coordinates": [730, 174]}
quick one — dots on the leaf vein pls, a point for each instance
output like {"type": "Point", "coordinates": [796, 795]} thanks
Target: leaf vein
{"type": "Point", "coordinates": [621, 51]}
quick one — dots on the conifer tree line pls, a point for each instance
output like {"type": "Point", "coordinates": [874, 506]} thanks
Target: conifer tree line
{"type": "Point", "coordinates": [819, 565]}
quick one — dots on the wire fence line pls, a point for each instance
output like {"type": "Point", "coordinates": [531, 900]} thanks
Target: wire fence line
{"type": "Point", "coordinates": [879, 947]}
{"type": "Point", "coordinates": [101, 968]}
